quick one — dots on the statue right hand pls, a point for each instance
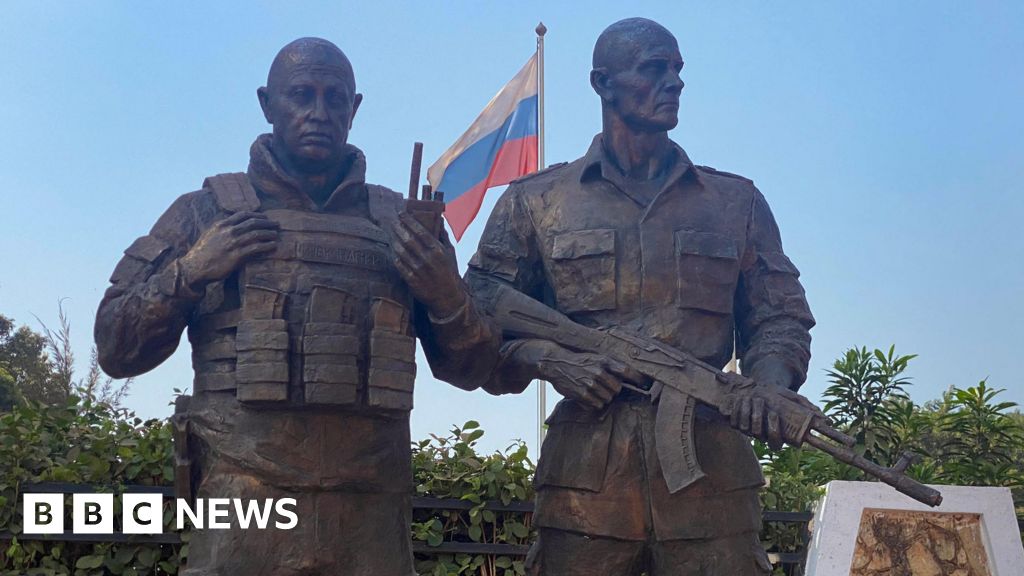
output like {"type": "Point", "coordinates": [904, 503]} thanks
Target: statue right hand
{"type": "Point", "coordinates": [590, 379]}
{"type": "Point", "coordinates": [226, 245]}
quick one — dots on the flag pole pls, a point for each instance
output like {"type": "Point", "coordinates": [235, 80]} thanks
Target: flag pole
{"type": "Point", "coordinates": [542, 408]}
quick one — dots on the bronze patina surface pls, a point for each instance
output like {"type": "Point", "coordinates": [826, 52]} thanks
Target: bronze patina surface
{"type": "Point", "coordinates": [634, 236]}
{"type": "Point", "coordinates": [302, 288]}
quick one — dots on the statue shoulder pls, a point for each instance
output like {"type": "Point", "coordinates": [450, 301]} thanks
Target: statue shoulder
{"type": "Point", "coordinates": [233, 192]}
{"type": "Point", "coordinates": [552, 172]}
{"type": "Point", "coordinates": [384, 203]}
{"type": "Point", "coordinates": [708, 170]}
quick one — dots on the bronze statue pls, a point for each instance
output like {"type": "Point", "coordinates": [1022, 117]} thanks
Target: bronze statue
{"type": "Point", "coordinates": [302, 288]}
{"type": "Point", "coordinates": [636, 238]}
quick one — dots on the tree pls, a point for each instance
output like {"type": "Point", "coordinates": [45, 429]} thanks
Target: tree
{"type": "Point", "coordinates": [983, 439]}
{"type": "Point", "coordinates": [26, 370]}
{"type": "Point", "coordinates": [40, 368]}
{"type": "Point", "coordinates": [866, 394]}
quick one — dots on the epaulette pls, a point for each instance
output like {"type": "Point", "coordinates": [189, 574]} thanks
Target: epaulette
{"type": "Point", "coordinates": [233, 192]}
{"type": "Point", "coordinates": [540, 172]}
{"type": "Point", "coordinates": [726, 174]}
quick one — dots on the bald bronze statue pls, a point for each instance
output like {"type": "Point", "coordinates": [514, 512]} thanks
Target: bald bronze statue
{"type": "Point", "coordinates": [635, 239]}
{"type": "Point", "coordinates": [302, 288]}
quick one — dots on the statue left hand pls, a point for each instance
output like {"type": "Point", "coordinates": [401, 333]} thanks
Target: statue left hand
{"type": "Point", "coordinates": [754, 416]}
{"type": "Point", "coordinates": [428, 266]}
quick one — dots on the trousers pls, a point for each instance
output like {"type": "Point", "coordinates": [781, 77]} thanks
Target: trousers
{"type": "Point", "coordinates": [563, 553]}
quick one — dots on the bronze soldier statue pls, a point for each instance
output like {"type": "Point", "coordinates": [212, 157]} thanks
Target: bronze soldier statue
{"type": "Point", "coordinates": [302, 288]}
{"type": "Point", "coordinates": [635, 238]}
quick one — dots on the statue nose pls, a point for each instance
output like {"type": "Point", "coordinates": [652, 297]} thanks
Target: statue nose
{"type": "Point", "coordinates": [319, 109]}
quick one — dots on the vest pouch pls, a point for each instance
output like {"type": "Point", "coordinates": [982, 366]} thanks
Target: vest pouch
{"type": "Point", "coordinates": [330, 348]}
{"type": "Point", "coordinates": [261, 369]}
{"type": "Point", "coordinates": [392, 357]}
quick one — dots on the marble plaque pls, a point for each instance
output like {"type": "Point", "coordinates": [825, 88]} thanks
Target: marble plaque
{"type": "Point", "coordinates": [869, 529]}
{"type": "Point", "coordinates": [902, 543]}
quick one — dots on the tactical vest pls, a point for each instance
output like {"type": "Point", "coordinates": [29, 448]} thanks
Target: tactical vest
{"type": "Point", "coordinates": [324, 320]}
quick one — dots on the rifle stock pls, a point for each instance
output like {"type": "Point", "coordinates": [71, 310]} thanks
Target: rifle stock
{"type": "Point", "coordinates": [680, 382]}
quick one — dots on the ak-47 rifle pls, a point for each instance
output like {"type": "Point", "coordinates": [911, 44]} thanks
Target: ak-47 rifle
{"type": "Point", "coordinates": [680, 382]}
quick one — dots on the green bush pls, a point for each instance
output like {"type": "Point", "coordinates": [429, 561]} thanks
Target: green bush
{"type": "Point", "coordinates": [81, 442]}
{"type": "Point", "coordinates": [450, 467]}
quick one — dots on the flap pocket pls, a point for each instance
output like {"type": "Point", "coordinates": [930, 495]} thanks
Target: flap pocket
{"type": "Point", "coordinates": [777, 262]}
{"type": "Point", "coordinates": [570, 411]}
{"type": "Point", "coordinates": [582, 243]}
{"type": "Point", "coordinates": [575, 449]}
{"type": "Point", "coordinates": [705, 244]}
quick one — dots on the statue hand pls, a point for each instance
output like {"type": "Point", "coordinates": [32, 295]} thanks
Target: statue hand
{"type": "Point", "coordinates": [226, 245]}
{"type": "Point", "coordinates": [428, 266]}
{"type": "Point", "coordinates": [758, 411]}
{"type": "Point", "coordinates": [590, 379]}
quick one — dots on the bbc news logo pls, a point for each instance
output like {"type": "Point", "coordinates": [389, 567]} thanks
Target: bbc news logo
{"type": "Point", "coordinates": [143, 513]}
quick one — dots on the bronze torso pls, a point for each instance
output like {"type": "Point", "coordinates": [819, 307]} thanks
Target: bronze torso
{"type": "Point", "coordinates": [304, 362]}
{"type": "Point", "coordinates": [689, 263]}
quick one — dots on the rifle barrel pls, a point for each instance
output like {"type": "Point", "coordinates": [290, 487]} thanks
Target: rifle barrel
{"type": "Point", "coordinates": [898, 480]}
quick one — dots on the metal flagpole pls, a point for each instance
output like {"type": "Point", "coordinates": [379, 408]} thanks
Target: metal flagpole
{"type": "Point", "coordinates": [542, 406]}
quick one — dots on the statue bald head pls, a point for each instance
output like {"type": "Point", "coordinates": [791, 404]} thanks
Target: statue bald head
{"type": "Point", "coordinates": [310, 53]}
{"type": "Point", "coordinates": [620, 43]}
{"type": "Point", "coordinates": [636, 74]}
{"type": "Point", "coordinates": [310, 99]}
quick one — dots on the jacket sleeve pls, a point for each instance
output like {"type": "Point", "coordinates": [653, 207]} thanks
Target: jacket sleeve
{"type": "Point", "coordinates": [773, 319]}
{"type": "Point", "coordinates": [508, 254]}
{"type": "Point", "coordinates": [143, 313]}
{"type": "Point", "coordinates": [461, 348]}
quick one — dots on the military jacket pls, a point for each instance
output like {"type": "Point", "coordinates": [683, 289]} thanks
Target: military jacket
{"type": "Point", "coordinates": [324, 320]}
{"type": "Point", "coordinates": [696, 262]}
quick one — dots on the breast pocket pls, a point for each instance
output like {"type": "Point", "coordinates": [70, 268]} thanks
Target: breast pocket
{"type": "Point", "coordinates": [707, 267]}
{"type": "Point", "coordinates": [583, 269]}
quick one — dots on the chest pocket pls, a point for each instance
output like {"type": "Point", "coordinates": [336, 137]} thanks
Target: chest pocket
{"type": "Point", "coordinates": [583, 269]}
{"type": "Point", "coordinates": [707, 268]}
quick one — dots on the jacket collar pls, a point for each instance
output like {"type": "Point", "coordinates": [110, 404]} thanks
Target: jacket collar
{"type": "Point", "coordinates": [267, 175]}
{"type": "Point", "coordinates": [597, 164]}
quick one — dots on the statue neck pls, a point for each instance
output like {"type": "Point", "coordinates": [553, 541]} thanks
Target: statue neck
{"type": "Point", "coordinates": [638, 154]}
{"type": "Point", "coordinates": [318, 182]}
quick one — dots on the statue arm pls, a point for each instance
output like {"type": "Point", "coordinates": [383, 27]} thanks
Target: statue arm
{"type": "Point", "coordinates": [143, 313]}
{"type": "Point", "coordinates": [508, 254]}
{"type": "Point", "coordinates": [773, 319]}
{"type": "Point", "coordinates": [461, 347]}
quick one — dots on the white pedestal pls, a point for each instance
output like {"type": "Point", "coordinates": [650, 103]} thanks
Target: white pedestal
{"type": "Point", "coordinates": [837, 522]}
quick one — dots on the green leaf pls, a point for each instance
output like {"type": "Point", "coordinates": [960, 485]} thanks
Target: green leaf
{"type": "Point", "coordinates": [89, 562]}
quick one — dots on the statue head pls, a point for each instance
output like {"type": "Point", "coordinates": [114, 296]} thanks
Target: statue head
{"type": "Point", "coordinates": [310, 99]}
{"type": "Point", "coordinates": [636, 74]}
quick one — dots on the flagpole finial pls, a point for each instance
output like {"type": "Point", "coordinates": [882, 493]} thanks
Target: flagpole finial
{"type": "Point", "coordinates": [541, 29]}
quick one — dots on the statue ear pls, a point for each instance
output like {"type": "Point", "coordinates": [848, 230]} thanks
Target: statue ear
{"type": "Point", "coordinates": [600, 80]}
{"type": "Point", "coordinates": [355, 108]}
{"type": "Point", "coordinates": [264, 98]}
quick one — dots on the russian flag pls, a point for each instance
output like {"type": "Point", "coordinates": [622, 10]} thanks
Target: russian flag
{"type": "Point", "coordinates": [500, 146]}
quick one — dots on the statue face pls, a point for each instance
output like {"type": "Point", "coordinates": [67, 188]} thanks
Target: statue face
{"type": "Point", "coordinates": [311, 109]}
{"type": "Point", "coordinates": [644, 90]}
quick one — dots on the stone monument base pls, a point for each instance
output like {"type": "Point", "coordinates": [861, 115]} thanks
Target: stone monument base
{"type": "Point", "coordinates": [869, 529]}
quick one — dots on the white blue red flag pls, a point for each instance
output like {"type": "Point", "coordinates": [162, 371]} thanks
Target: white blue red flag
{"type": "Point", "coordinates": [500, 146]}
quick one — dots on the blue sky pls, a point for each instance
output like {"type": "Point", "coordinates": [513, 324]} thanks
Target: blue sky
{"type": "Point", "coordinates": [888, 138]}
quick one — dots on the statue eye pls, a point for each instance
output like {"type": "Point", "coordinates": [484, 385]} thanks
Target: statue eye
{"type": "Point", "coordinates": [299, 93]}
{"type": "Point", "coordinates": [654, 66]}
{"type": "Point", "coordinates": [335, 99]}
